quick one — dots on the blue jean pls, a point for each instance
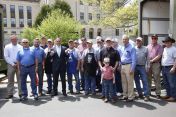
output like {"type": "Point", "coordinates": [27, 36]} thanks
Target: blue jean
{"type": "Point", "coordinates": [70, 85]}
{"type": "Point", "coordinates": [109, 89]}
{"type": "Point", "coordinates": [170, 81]}
{"type": "Point", "coordinates": [49, 81]}
{"type": "Point", "coordinates": [24, 72]}
{"type": "Point", "coordinates": [82, 80]}
{"type": "Point", "coordinates": [140, 73]}
{"type": "Point", "coordinates": [90, 84]}
{"type": "Point", "coordinates": [40, 76]}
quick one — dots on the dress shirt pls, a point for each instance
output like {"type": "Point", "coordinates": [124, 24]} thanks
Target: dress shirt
{"type": "Point", "coordinates": [128, 55]}
{"type": "Point", "coordinates": [58, 49]}
{"type": "Point", "coordinates": [26, 56]}
{"type": "Point", "coordinates": [39, 53]}
{"type": "Point", "coordinates": [10, 53]}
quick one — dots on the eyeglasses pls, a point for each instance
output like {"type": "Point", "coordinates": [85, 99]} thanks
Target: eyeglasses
{"type": "Point", "coordinates": [154, 38]}
{"type": "Point", "coordinates": [25, 42]}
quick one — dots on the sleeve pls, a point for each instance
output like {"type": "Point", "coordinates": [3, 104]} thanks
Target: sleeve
{"type": "Point", "coordinates": [6, 56]}
{"type": "Point", "coordinates": [160, 50]}
{"type": "Point", "coordinates": [18, 58]}
{"type": "Point", "coordinates": [133, 57]}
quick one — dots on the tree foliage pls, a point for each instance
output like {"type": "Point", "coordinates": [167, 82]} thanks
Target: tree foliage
{"type": "Point", "coordinates": [47, 9]}
{"type": "Point", "coordinates": [115, 15]}
{"type": "Point", "coordinates": [56, 24]}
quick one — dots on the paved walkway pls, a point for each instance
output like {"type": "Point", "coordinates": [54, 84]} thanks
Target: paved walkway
{"type": "Point", "coordinates": [81, 106]}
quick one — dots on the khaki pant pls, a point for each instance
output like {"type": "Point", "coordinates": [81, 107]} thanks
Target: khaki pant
{"type": "Point", "coordinates": [155, 69]}
{"type": "Point", "coordinates": [127, 81]}
{"type": "Point", "coordinates": [11, 76]}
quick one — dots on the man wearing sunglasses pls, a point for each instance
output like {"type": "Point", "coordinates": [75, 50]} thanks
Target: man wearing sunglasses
{"type": "Point", "coordinates": [154, 53]}
{"type": "Point", "coordinates": [27, 63]}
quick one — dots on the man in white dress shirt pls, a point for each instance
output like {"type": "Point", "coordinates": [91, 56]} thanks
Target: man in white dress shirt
{"type": "Point", "coordinates": [10, 53]}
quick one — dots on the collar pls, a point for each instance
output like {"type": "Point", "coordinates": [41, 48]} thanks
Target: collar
{"type": "Point", "coordinates": [25, 48]}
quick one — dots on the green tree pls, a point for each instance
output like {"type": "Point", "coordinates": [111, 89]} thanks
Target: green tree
{"type": "Point", "coordinates": [115, 14]}
{"type": "Point", "coordinates": [47, 9]}
{"type": "Point", "coordinates": [56, 24]}
{"type": "Point", "coordinates": [30, 33]}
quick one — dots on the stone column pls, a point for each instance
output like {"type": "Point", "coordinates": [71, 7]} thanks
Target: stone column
{"type": "Point", "coordinates": [173, 18]}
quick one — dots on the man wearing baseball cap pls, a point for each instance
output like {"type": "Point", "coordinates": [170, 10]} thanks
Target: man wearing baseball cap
{"type": "Point", "coordinates": [155, 51]}
{"type": "Point", "coordinates": [140, 71]}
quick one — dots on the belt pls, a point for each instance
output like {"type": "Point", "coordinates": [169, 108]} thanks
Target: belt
{"type": "Point", "coordinates": [28, 65]}
{"type": "Point", "coordinates": [168, 66]}
{"type": "Point", "coordinates": [126, 63]}
{"type": "Point", "coordinates": [140, 65]}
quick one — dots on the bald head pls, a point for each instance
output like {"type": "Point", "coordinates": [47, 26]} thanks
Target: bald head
{"type": "Point", "coordinates": [125, 39]}
{"type": "Point", "coordinates": [25, 43]}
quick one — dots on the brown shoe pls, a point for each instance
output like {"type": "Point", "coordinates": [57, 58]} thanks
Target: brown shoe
{"type": "Point", "coordinates": [165, 97]}
{"type": "Point", "coordinates": [171, 99]}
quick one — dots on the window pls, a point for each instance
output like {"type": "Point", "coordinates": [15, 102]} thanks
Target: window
{"type": "Point", "coordinates": [21, 22]}
{"type": "Point", "coordinates": [29, 22]}
{"type": "Point", "coordinates": [81, 2]}
{"type": "Point", "coordinates": [81, 16]}
{"type": "Point", "coordinates": [98, 16]}
{"type": "Point", "coordinates": [83, 32]}
{"type": "Point", "coordinates": [21, 16]}
{"type": "Point", "coordinates": [13, 22]}
{"type": "Point", "coordinates": [21, 13]}
{"type": "Point", "coordinates": [99, 32]}
{"type": "Point", "coordinates": [13, 32]}
{"type": "Point", "coordinates": [4, 11]}
{"type": "Point", "coordinates": [90, 16]}
{"type": "Point", "coordinates": [5, 22]}
{"type": "Point", "coordinates": [29, 12]}
{"type": "Point", "coordinates": [91, 31]}
{"type": "Point", "coordinates": [12, 11]}
{"type": "Point", "coordinates": [5, 32]}
{"type": "Point", "coordinates": [29, 16]}
{"type": "Point", "coordinates": [117, 32]}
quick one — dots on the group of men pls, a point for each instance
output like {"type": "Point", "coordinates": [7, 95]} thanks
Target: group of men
{"type": "Point", "coordinates": [85, 61]}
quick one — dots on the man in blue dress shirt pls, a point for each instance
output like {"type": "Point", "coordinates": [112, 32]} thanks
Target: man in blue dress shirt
{"type": "Point", "coordinates": [39, 52]}
{"type": "Point", "coordinates": [128, 61]}
{"type": "Point", "coordinates": [27, 65]}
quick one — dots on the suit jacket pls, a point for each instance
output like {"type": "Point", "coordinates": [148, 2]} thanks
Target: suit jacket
{"type": "Point", "coordinates": [59, 62]}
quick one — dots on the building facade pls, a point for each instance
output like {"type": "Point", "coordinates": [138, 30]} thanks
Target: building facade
{"type": "Point", "coordinates": [22, 13]}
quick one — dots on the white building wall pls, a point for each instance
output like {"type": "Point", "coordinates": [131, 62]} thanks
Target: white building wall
{"type": "Point", "coordinates": [36, 6]}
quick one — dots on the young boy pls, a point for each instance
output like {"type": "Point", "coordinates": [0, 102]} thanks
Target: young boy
{"type": "Point", "coordinates": [108, 80]}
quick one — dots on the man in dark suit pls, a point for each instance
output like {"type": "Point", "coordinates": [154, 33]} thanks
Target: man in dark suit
{"type": "Point", "coordinates": [59, 66]}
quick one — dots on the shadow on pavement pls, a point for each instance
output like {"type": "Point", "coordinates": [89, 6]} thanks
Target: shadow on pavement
{"type": "Point", "coordinates": [3, 94]}
{"type": "Point", "coordinates": [145, 105]}
{"type": "Point", "coordinates": [68, 98]}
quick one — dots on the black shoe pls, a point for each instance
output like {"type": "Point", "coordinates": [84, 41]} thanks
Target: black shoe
{"type": "Point", "coordinates": [64, 94]}
{"type": "Point", "coordinates": [141, 96]}
{"type": "Point", "coordinates": [129, 100]}
{"type": "Point", "coordinates": [123, 98]}
{"type": "Point", "coordinates": [23, 98]}
{"type": "Point", "coordinates": [48, 92]}
{"type": "Point", "coordinates": [94, 93]}
{"type": "Point", "coordinates": [9, 97]}
{"type": "Point", "coordinates": [54, 94]}
{"type": "Point", "coordinates": [36, 97]}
